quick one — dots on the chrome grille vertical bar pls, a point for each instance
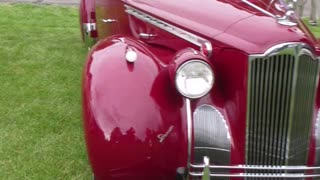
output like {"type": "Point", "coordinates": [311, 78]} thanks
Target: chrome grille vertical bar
{"type": "Point", "coordinates": [303, 110]}
{"type": "Point", "coordinates": [278, 69]}
{"type": "Point", "coordinates": [273, 108]}
{"type": "Point", "coordinates": [281, 121]}
{"type": "Point", "coordinates": [189, 128]}
{"type": "Point", "coordinates": [265, 136]}
{"type": "Point", "coordinates": [268, 109]}
{"type": "Point", "coordinates": [317, 135]}
{"type": "Point", "coordinates": [281, 97]}
{"type": "Point", "coordinates": [249, 136]}
{"type": "Point", "coordinates": [256, 115]}
{"type": "Point", "coordinates": [287, 95]}
{"type": "Point", "coordinates": [259, 137]}
{"type": "Point", "coordinates": [256, 109]}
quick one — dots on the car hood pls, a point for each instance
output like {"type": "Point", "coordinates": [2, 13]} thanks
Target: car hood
{"type": "Point", "coordinates": [257, 34]}
{"type": "Point", "coordinates": [210, 17]}
{"type": "Point", "coordinates": [230, 22]}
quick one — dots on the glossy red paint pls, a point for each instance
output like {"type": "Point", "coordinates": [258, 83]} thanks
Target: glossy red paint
{"type": "Point", "coordinates": [252, 41]}
{"type": "Point", "coordinates": [123, 136]}
{"type": "Point", "coordinates": [126, 106]}
{"type": "Point", "coordinates": [198, 20]}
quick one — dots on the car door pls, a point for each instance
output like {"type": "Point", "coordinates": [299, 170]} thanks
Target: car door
{"type": "Point", "coordinates": [111, 18]}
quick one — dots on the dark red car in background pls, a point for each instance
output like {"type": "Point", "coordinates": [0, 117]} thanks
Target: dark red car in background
{"type": "Point", "coordinates": [190, 89]}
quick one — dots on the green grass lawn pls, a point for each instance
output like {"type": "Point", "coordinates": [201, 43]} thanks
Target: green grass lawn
{"type": "Point", "coordinates": [315, 29]}
{"type": "Point", "coordinates": [41, 60]}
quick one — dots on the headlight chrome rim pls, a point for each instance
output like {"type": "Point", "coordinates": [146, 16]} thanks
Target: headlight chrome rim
{"type": "Point", "coordinates": [188, 63]}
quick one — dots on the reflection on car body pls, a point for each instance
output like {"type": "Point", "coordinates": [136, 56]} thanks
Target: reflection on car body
{"type": "Point", "coordinates": [192, 89]}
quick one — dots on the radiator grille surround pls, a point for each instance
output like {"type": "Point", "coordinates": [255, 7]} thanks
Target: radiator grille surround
{"type": "Point", "coordinates": [281, 92]}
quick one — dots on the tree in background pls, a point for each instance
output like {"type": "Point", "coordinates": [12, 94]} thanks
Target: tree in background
{"type": "Point", "coordinates": [299, 7]}
{"type": "Point", "coordinates": [313, 14]}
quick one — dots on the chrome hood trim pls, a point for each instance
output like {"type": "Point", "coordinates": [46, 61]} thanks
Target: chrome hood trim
{"type": "Point", "coordinates": [203, 44]}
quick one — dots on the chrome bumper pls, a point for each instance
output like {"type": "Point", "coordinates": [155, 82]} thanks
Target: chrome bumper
{"type": "Point", "coordinates": [206, 171]}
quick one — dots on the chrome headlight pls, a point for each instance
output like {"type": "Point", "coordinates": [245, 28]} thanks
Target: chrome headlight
{"type": "Point", "coordinates": [194, 79]}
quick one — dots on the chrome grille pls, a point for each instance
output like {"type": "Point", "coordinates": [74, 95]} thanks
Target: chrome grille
{"type": "Point", "coordinates": [281, 95]}
{"type": "Point", "coordinates": [317, 134]}
{"type": "Point", "coordinates": [302, 113]}
{"type": "Point", "coordinates": [211, 135]}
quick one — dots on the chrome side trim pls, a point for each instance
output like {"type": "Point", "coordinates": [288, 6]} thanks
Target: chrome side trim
{"type": "Point", "coordinates": [283, 172]}
{"type": "Point", "coordinates": [189, 128]}
{"type": "Point", "coordinates": [190, 37]}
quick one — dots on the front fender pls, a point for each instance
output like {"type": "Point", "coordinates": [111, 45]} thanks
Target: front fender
{"type": "Point", "coordinates": [134, 120]}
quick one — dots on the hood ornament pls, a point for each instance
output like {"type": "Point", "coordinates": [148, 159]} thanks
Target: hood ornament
{"type": "Point", "coordinates": [286, 20]}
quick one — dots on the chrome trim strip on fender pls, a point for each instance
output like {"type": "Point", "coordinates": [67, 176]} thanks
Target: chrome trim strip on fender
{"type": "Point", "coordinates": [189, 128]}
{"type": "Point", "coordinates": [190, 37]}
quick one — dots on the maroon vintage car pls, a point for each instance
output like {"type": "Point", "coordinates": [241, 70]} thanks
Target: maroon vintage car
{"type": "Point", "coordinates": [188, 89]}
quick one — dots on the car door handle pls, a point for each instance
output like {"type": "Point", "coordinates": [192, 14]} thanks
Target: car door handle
{"type": "Point", "coordinates": [109, 20]}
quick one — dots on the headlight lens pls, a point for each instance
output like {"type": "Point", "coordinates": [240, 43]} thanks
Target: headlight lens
{"type": "Point", "coordinates": [194, 79]}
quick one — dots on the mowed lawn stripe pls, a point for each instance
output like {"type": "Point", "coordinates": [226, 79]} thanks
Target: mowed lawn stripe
{"type": "Point", "coordinates": [41, 61]}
